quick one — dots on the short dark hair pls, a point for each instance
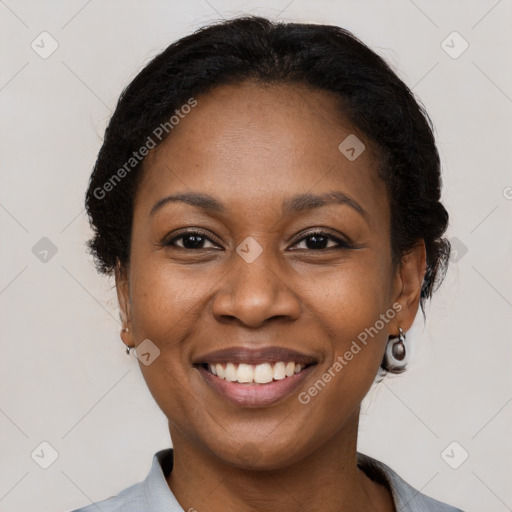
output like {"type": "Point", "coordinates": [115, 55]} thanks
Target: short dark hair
{"type": "Point", "coordinates": [323, 57]}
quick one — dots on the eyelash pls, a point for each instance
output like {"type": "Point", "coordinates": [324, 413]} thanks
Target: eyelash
{"type": "Point", "coordinates": [342, 244]}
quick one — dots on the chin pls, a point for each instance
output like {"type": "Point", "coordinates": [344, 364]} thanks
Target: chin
{"type": "Point", "coordinates": [260, 456]}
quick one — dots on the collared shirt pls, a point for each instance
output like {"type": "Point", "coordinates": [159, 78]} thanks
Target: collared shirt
{"type": "Point", "coordinates": [155, 495]}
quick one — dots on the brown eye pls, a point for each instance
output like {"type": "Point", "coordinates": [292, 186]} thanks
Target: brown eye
{"type": "Point", "coordinates": [318, 240]}
{"type": "Point", "coordinates": [190, 240]}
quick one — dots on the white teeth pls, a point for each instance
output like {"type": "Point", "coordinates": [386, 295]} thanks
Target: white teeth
{"type": "Point", "coordinates": [245, 373]}
{"type": "Point", "coordinates": [230, 372]}
{"type": "Point", "coordinates": [263, 373]}
{"type": "Point", "coordinates": [279, 371]}
{"type": "Point", "coordinates": [220, 371]}
{"type": "Point", "coordinates": [259, 374]}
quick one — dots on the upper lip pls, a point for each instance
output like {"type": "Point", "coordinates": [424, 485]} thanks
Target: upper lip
{"type": "Point", "coordinates": [251, 355]}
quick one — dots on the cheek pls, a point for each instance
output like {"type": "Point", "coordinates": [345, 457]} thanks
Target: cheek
{"type": "Point", "coordinates": [166, 300]}
{"type": "Point", "coordinates": [352, 305]}
{"type": "Point", "coordinates": [350, 297]}
{"type": "Point", "coordinates": [350, 311]}
{"type": "Point", "coordinates": [165, 308]}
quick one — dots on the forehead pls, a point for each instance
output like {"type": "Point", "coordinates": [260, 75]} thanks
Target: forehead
{"type": "Point", "coordinates": [260, 143]}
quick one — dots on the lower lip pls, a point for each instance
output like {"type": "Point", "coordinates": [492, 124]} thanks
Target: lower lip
{"type": "Point", "coordinates": [255, 395]}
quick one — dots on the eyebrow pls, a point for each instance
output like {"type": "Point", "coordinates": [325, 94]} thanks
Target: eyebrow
{"type": "Point", "coordinates": [290, 206]}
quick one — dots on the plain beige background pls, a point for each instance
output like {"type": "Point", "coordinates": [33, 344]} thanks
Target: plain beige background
{"type": "Point", "coordinates": [66, 379]}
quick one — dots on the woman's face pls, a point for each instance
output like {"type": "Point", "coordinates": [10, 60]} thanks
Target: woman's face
{"type": "Point", "coordinates": [250, 278]}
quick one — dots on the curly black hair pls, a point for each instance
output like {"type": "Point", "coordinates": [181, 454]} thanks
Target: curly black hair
{"type": "Point", "coordinates": [323, 57]}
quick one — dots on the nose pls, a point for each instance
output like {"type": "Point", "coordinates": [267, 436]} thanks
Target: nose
{"type": "Point", "coordinates": [253, 293]}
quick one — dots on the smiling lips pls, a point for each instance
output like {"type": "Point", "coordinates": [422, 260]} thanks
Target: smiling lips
{"type": "Point", "coordinates": [258, 374]}
{"type": "Point", "coordinates": [254, 376]}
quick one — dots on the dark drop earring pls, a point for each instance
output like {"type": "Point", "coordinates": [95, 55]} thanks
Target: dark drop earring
{"type": "Point", "coordinates": [395, 359]}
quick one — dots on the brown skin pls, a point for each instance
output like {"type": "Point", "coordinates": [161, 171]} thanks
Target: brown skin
{"type": "Point", "coordinates": [251, 146]}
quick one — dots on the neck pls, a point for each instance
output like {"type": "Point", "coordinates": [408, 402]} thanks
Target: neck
{"type": "Point", "coordinates": [327, 479]}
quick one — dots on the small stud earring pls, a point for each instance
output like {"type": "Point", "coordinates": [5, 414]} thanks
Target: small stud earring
{"type": "Point", "coordinates": [126, 329]}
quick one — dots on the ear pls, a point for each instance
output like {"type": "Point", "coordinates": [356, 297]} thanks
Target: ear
{"type": "Point", "coordinates": [123, 296]}
{"type": "Point", "coordinates": [407, 284]}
